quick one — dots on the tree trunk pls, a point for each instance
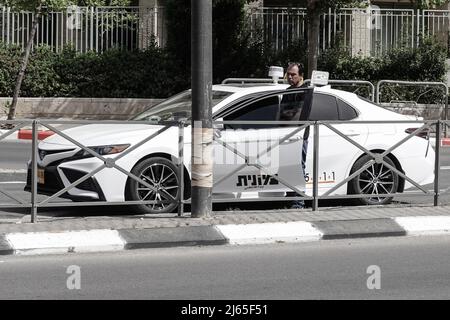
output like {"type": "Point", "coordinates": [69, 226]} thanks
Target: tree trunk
{"type": "Point", "coordinates": [313, 36]}
{"type": "Point", "coordinates": [24, 63]}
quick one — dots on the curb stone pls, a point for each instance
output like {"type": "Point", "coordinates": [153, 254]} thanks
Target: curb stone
{"type": "Point", "coordinates": [360, 228]}
{"type": "Point", "coordinates": [169, 237]}
{"type": "Point", "coordinates": [445, 142]}
{"type": "Point", "coordinates": [26, 134]}
{"type": "Point", "coordinates": [230, 234]}
{"type": "Point", "coordinates": [5, 247]}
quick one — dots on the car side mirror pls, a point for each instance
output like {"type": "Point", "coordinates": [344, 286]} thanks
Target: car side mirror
{"type": "Point", "coordinates": [218, 126]}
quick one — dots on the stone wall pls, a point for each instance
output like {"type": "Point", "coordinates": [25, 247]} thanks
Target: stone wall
{"type": "Point", "coordinates": [78, 108]}
{"type": "Point", "coordinates": [426, 111]}
{"type": "Point", "coordinates": [123, 109]}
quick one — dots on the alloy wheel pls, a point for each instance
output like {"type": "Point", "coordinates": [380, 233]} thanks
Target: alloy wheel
{"type": "Point", "coordinates": [165, 186]}
{"type": "Point", "coordinates": [377, 179]}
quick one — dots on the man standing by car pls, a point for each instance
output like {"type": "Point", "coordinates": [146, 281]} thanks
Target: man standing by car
{"type": "Point", "coordinates": [291, 109]}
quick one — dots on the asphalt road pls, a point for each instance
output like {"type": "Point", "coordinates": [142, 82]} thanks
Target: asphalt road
{"type": "Point", "coordinates": [14, 155]}
{"type": "Point", "coordinates": [376, 268]}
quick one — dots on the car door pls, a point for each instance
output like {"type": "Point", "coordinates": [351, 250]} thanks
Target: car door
{"type": "Point", "coordinates": [282, 162]}
{"type": "Point", "coordinates": [336, 155]}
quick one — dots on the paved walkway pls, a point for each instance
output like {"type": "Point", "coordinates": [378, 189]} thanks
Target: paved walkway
{"type": "Point", "coordinates": [57, 224]}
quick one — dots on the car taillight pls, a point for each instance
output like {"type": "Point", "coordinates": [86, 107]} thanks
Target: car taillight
{"type": "Point", "coordinates": [425, 133]}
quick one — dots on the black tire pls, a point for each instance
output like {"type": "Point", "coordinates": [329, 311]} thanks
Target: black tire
{"type": "Point", "coordinates": [376, 179]}
{"type": "Point", "coordinates": [163, 175]}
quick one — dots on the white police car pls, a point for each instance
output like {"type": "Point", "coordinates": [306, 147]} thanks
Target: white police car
{"type": "Point", "coordinates": [60, 162]}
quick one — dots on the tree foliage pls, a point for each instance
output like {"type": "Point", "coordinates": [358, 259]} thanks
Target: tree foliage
{"type": "Point", "coordinates": [151, 73]}
{"type": "Point", "coordinates": [427, 4]}
{"type": "Point", "coordinates": [234, 51]}
{"type": "Point", "coordinates": [31, 5]}
{"type": "Point", "coordinates": [39, 7]}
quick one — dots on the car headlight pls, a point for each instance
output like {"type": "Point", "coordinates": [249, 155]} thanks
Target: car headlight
{"type": "Point", "coordinates": [102, 150]}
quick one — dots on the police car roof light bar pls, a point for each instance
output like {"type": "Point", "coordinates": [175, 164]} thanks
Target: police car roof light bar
{"type": "Point", "coordinates": [275, 73]}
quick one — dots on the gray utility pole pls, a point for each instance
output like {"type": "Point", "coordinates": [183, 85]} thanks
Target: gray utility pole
{"type": "Point", "coordinates": [202, 132]}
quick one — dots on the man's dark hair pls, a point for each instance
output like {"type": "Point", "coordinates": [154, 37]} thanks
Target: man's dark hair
{"type": "Point", "coordinates": [300, 66]}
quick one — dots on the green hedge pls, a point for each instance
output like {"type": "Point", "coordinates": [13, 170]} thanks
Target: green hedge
{"type": "Point", "coordinates": [424, 63]}
{"type": "Point", "coordinates": [154, 72]}
{"type": "Point", "coordinates": [115, 73]}
{"type": "Point", "coordinates": [235, 52]}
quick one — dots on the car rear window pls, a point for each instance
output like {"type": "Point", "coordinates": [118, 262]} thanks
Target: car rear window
{"type": "Point", "coordinates": [346, 112]}
{"type": "Point", "coordinates": [324, 107]}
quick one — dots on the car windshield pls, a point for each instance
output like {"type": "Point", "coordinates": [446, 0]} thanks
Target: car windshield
{"type": "Point", "coordinates": [176, 107]}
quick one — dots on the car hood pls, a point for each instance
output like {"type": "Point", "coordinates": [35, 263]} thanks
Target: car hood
{"type": "Point", "coordinates": [102, 134]}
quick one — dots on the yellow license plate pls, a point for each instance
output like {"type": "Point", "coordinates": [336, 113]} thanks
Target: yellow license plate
{"type": "Point", "coordinates": [41, 176]}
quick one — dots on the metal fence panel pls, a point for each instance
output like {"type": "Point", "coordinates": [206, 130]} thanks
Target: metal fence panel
{"type": "Point", "coordinates": [34, 203]}
{"type": "Point", "coordinates": [365, 31]}
{"type": "Point", "coordinates": [426, 99]}
{"type": "Point", "coordinates": [436, 23]}
{"type": "Point", "coordinates": [87, 28]}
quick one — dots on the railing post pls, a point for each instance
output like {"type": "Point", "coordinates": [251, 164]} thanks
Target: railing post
{"type": "Point", "coordinates": [418, 27]}
{"type": "Point", "coordinates": [329, 28]}
{"type": "Point", "coordinates": [91, 40]}
{"type": "Point", "coordinates": [181, 166]}
{"type": "Point", "coordinates": [437, 162]}
{"type": "Point", "coordinates": [8, 24]}
{"type": "Point", "coordinates": [377, 93]}
{"type": "Point", "coordinates": [315, 204]}
{"type": "Point", "coordinates": [446, 111]}
{"type": "Point", "coordinates": [3, 23]}
{"type": "Point", "coordinates": [97, 36]}
{"type": "Point", "coordinates": [34, 171]}
{"type": "Point", "coordinates": [155, 26]}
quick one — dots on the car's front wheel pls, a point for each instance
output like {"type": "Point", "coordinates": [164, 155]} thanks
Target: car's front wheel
{"type": "Point", "coordinates": [376, 180]}
{"type": "Point", "coordinates": [162, 175]}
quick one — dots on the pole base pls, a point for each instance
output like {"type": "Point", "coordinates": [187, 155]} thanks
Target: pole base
{"type": "Point", "coordinates": [201, 202]}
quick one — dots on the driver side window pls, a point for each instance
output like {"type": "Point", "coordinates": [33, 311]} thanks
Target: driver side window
{"type": "Point", "coordinates": [288, 105]}
{"type": "Point", "coordinates": [263, 110]}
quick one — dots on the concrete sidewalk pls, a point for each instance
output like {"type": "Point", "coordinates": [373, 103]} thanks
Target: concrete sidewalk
{"type": "Point", "coordinates": [105, 233]}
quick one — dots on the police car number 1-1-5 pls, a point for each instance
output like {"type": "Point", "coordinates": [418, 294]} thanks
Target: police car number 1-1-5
{"type": "Point", "coordinates": [325, 177]}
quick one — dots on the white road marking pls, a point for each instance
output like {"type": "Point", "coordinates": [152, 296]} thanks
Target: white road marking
{"type": "Point", "coordinates": [13, 171]}
{"type": "Point", "coordinates": [12, 182]}
{"type": "Point", "coordinates": [445, 168]}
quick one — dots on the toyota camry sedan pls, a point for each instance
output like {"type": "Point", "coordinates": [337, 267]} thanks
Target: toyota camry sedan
{"type": "Point", "coordinates": [259, 138]}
